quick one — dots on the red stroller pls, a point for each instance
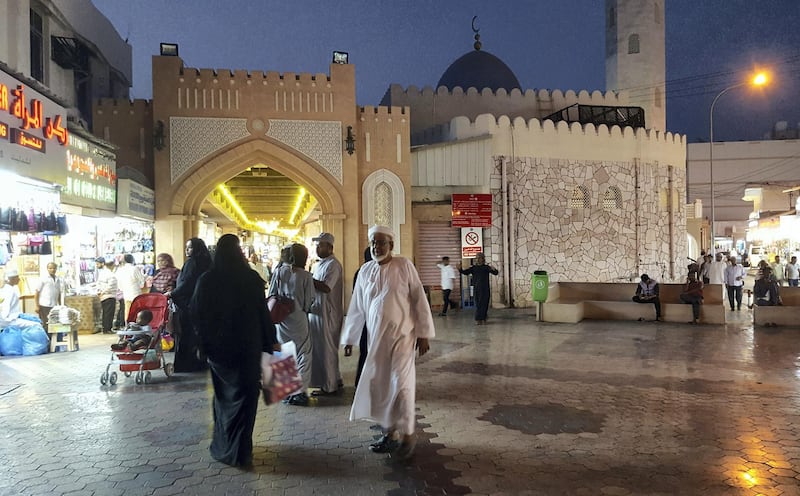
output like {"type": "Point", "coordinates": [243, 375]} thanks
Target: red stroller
{"type": "Point", "coordinates": [142, 361]}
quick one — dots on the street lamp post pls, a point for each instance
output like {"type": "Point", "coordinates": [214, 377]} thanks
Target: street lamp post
{"type": "Point", "coordinates": [759, 80]}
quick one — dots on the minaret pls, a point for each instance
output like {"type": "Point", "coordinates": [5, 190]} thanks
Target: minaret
{"type": "Point", "coordinates": [635, 56]}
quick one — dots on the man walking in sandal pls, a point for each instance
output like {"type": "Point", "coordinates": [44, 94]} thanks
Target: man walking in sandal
{"type": "Point", "coordinates": [390, 299]}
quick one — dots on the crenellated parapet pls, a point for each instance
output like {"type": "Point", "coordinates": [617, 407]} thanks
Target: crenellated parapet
{"type": "Point", "coordinates": [432, 107]}
{"type": "Point", "coordinates": [224, 92]}
{"type": "Point", "coordinates": [131, 107]}
{"type": "Point", "coordinates": [546, 138]}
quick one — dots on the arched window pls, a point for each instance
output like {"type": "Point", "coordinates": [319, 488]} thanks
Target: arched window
{"type": "Point", "coordinates": [657, 14]}
{"type": "Point", "coordinates": [612, 17]}
{"type": "Point", "coordinates": [612, 199]}
{"type": "Point", "coordinates": [580, 198]}
{"type": "Point", "coordinates": [633, 43]}
{"type": "Point", "coordinates": [657, 96]}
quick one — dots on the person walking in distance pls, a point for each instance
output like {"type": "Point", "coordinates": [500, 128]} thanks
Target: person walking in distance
{"type": "Point", "coordinates": [48, 294]}
{"type": "Point", "coordinates": [107, 292]}
{"type": "Point", "coordinates": [480, 281]}
{"type": "Point", "coordinates": [388, 298]}
{"type": "Point", "coordinates": [325, 319]}
{"type": "Point", "coordinates": [448, 283]}
{"type": "Point", "coordinates": [130, 281]}
{"type": "Point", "coordinates": [793, 272]}
{"type": "Point", "coordinates": [734, 282]}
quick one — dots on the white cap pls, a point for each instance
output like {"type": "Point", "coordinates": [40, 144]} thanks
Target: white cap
{"type": "Point", "coordinates": [383, 230]}
{"type": "Point", "coordinates": [11, 272]}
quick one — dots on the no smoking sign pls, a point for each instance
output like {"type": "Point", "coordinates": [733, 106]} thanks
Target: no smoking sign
{"type": "Point", "coordinates": [471, 241]}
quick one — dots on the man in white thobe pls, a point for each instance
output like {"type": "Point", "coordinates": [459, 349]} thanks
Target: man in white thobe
{"type": "Point", "coordinates": [325, 319]}
{"type": "Point", "coordinates": [389, 298]}
{"type": "Point", "coordinates": [10, 307]}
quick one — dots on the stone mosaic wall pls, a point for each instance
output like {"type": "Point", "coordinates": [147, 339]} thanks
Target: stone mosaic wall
{"type": "Point", "coordinates": [599, 243]}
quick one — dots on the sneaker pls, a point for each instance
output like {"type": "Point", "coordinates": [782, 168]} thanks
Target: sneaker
{"type": "Point", "coordinates": [119, 346]}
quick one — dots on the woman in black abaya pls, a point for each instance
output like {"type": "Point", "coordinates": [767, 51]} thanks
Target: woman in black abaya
{"type": "Point", "coordinates": [231, 317]}
{"type": "Point", "coordinates": [198, 261]}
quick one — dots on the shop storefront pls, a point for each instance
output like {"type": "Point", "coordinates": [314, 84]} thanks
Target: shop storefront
{"type": "Point", "coordinates": [108, 218]}
{"type": "Point", "coordinates": [33, 140]}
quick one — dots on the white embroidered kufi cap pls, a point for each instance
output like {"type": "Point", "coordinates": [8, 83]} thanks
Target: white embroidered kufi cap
{"type": "Point", "coordinates": [382, 230]}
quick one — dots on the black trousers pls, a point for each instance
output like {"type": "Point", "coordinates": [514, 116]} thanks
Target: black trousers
{"type": "Point", "coordinates": [655, 301]}
{"type": "Point", "coordinates": [362, 353]}
{"type": "Point", "coordinates": [108, 306]}
{"type": "Point", "coordinates": [121, 318]}
{"type": "Point", "coordinates": [695, 302]}
{"type": "Point", "coordinates": [446, 298]}
{"type": "Point", "coordinates": [735, 296]}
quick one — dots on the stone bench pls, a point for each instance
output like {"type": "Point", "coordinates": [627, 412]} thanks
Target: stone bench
{"type": "Point", "coordinates": [786, 315]}
{"type": "Point", "coordinates": [571, 302]}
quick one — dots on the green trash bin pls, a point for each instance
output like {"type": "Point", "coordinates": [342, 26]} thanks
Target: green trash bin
{"type": "Point", "coordinates": [539, 283]}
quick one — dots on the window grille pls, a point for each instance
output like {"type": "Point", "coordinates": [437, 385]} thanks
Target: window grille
{"type": "Point", "coordinates": [580, 198]}
{"type": "Point", "coordinates": [633, 43]}
{"type": "Point", "coordinates": [612, 199]}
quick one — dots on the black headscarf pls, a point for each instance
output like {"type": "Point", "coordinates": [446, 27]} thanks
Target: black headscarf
{"type": "Point", "coordinates": [228, 256]}
{"type": "Point", "coordinates": [201, 254]}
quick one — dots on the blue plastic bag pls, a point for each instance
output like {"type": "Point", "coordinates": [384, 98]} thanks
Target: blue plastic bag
{"type": "Point", "coordinates": [29, 316]}
{"type": "Point", "coordinates": [11, 341]}
{"type": "Point", "coordinates": [34, 340]}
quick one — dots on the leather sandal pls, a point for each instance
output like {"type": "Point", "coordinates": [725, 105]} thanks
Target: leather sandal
{"type": "Point", "coordinates": [385, 445]}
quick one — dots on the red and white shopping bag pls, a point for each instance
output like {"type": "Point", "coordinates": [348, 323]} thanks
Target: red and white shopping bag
{"type": "Point", "coordinates": [279, 375]}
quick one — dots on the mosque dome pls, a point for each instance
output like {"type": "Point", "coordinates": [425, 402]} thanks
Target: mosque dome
{"type": "Point", "coordinates": [479, 69]}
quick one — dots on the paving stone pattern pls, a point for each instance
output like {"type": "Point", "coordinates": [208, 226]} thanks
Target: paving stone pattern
{"type": "Point", "coordinates": [515, 407]}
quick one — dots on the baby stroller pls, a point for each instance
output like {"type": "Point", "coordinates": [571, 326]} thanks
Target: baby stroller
{"type": "Point", "coordinates": [142, 361]}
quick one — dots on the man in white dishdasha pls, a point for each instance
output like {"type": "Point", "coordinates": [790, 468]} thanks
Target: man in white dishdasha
{"type": "Point", "coordinates": [389, 298]}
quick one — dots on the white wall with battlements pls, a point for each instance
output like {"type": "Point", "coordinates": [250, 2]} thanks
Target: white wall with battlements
{"type": "Point", "coordinates": [432, 108]}
{"type": "Point", "coordinates": [634, 184]}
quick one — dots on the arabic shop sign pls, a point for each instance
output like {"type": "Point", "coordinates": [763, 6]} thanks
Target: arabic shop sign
{"type": "Point", "coordinates": [135, 200]}
{"type": "Point", "coordinates": [33, 134]}
{"type": "Point", "coordinates": [91, 175]}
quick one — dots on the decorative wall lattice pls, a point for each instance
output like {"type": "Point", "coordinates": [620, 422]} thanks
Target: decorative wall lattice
{"type": "Point", "coordinates": [383, 205]}
{"type": "Point", "coordinates": [319, 140]}
{"type": "Point", "coordinates": [612, 199]}
{"type": "Point", "coordinates": [193, 138]}
{"type": "Point", "coordinates": [580, 198]}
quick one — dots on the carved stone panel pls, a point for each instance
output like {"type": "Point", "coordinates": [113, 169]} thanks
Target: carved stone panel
{"type": "Point", "coordinates": [194, 138]}
{"type": "Point", "coordinates": [319, 140]}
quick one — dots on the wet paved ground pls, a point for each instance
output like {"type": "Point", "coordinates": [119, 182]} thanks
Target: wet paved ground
{"type": "Point", "coordinates": [514, 407]}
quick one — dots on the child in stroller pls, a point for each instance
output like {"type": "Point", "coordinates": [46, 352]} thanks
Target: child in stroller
{"type": "Point", "coordinates": [139, 335]}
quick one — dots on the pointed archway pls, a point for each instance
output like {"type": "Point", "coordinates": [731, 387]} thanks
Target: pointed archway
{"type": "Point", "coordinates": [193, 190]}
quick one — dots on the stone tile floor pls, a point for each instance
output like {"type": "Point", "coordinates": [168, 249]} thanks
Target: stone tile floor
{"type": "Point", "coordinates": [515, 407]}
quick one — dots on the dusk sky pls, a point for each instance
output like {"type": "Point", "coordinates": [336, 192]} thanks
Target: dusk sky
{"type": "Point", "coordinates": [555, 44]}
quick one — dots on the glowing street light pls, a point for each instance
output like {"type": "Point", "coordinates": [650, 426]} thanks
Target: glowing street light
{"type": "Point", "coordinates": [758, 79]}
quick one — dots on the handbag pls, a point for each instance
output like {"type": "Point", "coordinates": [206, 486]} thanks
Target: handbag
{"type": "Point", "coordinates": [279, 376]}
{"type": "Point", "coordinates": [279, 307]}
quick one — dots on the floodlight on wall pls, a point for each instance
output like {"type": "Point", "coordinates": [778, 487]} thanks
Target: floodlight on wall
{"type": "Point", "coordinates": [350, 141]}
{"type": "Point", "coordinates": [169, 49]}
{"type": "Point", "coordinates": [341, 57]}
{"type": "Point", "coordinates": [158, 136]}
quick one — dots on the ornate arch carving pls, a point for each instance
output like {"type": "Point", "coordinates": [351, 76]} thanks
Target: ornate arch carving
{"type": "Point", "coordinates": [382, 195]}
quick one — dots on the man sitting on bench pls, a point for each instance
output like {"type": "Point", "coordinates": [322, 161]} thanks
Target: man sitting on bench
{"type": "Point", "coordinates": [766, 290]}
{"type": "Point", "coordinates": [647, 292]}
